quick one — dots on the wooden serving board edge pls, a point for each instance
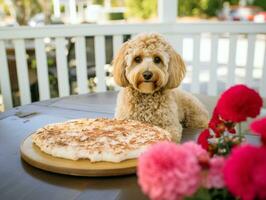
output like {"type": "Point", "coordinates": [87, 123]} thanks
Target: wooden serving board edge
{"type": "Point", "coordinates": [75, 172]}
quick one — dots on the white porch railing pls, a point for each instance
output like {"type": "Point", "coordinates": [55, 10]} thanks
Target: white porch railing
{"type": "Point", "coordinates": [178, 34]}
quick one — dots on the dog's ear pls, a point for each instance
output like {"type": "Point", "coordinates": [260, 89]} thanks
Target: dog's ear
{"type": "Point", "coordinates": [176, 69]}
{"type": "Point", "coordinates": [119, 65]}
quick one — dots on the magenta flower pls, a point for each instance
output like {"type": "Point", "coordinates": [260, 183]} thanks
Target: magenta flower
{"type": "Point", "coordinates": [245, 172]}
{"type": "Point", "coordinates": [168, 171]}
{"type": "Point", "coordinates": [259, 126]}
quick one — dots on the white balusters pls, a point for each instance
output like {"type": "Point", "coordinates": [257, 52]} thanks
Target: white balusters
{"type": "Point", "coordinates": [4, 78]}
{"type": "Point", "coordinates": [22, 72]}
{"type": "Point", "coordinates": [81, 62]}
{"type": "Point", "coordinates": [179, 47]}
{"type": "Point", "coordinates": [42, 69]}
{"type": "Point", "coordinates": [232, 61]}
{"type": "Point", "coordinates": [99, 48]}
{"type": "Point", "coordinates": [250, 59]}
{"type": "Point", "coordinates": [173, 41]}
{"type": "Point", "coordinates": [175, 33]}
{"type": "Point", "coordinates": [133, 35]}
{"type": "Point", "coordinates": [62, 68]}
{"type": "Point", "coordinates": [263, 78]}
{"type": "Point", "coordinates": [195, 84]}
{"type": "Point", "coordinates": [212, 85]}
{"type": "Point", "coordinates": [117, 42]}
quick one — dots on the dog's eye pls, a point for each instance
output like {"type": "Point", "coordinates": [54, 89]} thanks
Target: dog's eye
{"type": "Point", "coordinates": [138, 59]}
{"type": "Point", "coordinates": [157, 60]}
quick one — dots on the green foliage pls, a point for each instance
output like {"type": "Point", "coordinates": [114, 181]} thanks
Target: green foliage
{"type": "Point", "coordinates": [202, 7]}
{"type": "Point", "coordinates": [211, 194]}
{"type": "Point", "coordinates": [99, 2]}
{"type": "Point", "coordinates": [141, 8]}
{"type": "Point", "coordinates": [25, 9]}
{"type": "Point", "coordinates": [213, 6]}
{"type": "Point", "coordinates": [189, 7]}
{"type": "Point", "coordinates": [117, 3]}
{"type": "Point", "coordinates": [147, 8]}
{"type": "Point", "coordinates": [201, 194]}
{"type": "Point", "coordinates": [4, 7]}
{"type": "Point", "coordinates": [260, 3]}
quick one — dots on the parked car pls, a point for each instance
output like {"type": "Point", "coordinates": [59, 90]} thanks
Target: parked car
{"type": "Point", "coordinates": [239, 13]}
{"type": "Point", "coordinates": [260, 17]}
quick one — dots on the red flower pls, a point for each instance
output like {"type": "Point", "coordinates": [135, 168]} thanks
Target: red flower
{"type": "Point", "coordinates": [219, 126]}
{"type": "Point", "coordinates": [238, 103]}
{"type": "Point", "coordinates": [245, 174]}
{"type": "Point", "coordinates": [259, 126]}
{"type": "Point", "coordinates": [203, 139]}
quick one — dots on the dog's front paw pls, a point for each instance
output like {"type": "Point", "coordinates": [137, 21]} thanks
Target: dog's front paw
{"type": "Point", "coordinates": [202, 122]}
{"type": "Point", "coordinates": [176, 133]}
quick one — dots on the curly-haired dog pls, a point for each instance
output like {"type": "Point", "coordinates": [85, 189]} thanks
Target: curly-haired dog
{"type": "Point", "coordinates": [149, 70]}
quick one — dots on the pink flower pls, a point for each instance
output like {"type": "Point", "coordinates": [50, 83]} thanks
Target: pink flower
{"type": "Point", "coordinates": [259, 126]}
{"type": "Point", "coordinates": [168, 171]}
{"type": "Point", "coordinates": [195, 149]}
{"type": "Point", "coordinates": [200, 153]}
{"type": "Point", "coordinates": [245, 172]}
{"type": "Point", "coordinates": [238, 103]}
{"type": "Point", "coordinates": [215, 176]}
{"type": "Point", "coordinates": [259, 177]}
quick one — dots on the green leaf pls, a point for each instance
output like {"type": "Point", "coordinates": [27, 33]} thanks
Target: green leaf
{"type": "Point", "coordinates": [201, 194]}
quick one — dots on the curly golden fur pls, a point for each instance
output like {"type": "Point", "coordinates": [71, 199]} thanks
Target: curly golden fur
{"type": "Point", "coordinates": [149, 70]}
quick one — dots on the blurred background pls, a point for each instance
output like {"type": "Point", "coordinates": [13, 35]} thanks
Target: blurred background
{"type": "Point", "coordinates": [34, 13]}
{"type": "Point", "coordinates": [40, 12]}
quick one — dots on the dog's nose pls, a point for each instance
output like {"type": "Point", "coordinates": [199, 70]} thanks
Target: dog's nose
{"type": "Point", "coordinates": [147, 75]}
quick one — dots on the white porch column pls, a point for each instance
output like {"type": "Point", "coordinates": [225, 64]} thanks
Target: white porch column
{"type": "Point", "coordinates": [107, 4]}
{"type": "Point", "coordinates": [56, 4]}
{"type": "Point", "coordinates": [72, 11]}
{"type": "Point", "coordinates": [167, 13]}
{"type": "Point", "coordinates": [167, 10]}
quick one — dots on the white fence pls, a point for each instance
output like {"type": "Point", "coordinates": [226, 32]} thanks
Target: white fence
{"type": "Point", "coordinates": [179, 34]}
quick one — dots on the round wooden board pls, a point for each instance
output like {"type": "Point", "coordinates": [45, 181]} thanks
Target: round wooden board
{"type": "Point", "coordinates": [35, 157]}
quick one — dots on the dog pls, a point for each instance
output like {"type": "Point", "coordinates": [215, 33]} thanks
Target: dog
{"type": "Point", "coordinates": [149, 71]}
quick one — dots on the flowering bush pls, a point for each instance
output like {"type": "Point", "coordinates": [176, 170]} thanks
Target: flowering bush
{"type": "Point", "coordinates": [234, 106]}
{"type": "Point", "coordinates": [189, 171]}
{"type": "Point", "coordinates": [245, 168]}
{"type": "Point", "coordinates": [245, 174]}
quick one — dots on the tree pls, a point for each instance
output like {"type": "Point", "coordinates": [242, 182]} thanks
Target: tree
{"type": "Point", "coordinates": [148, 8]}
{"type": "Point", "coordinates": [23, 10]}
{"type": "Point", "coordinates": [141, 8]}
{"type": "Point", "coordinates": [260, 3]}
{"type": "Point", "coordinates": [46, 7]}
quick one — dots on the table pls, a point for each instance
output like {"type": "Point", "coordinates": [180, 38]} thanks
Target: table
{"type": "Point", "coordinates": [18, 180]}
